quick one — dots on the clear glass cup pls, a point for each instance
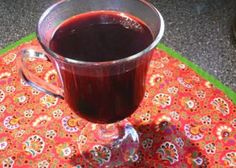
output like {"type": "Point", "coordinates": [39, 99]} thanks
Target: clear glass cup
{"type": "Point", "coordinates": [119, 139]}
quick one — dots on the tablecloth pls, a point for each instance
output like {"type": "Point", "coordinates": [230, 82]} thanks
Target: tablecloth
{"type": "Point", "coordinates": [183, 120]}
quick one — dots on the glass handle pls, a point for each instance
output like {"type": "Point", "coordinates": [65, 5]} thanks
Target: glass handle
{"type": "Point", "coordinates": [31, 78]}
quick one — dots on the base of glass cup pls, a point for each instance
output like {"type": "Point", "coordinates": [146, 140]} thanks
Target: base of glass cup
{"type": "Point", "coordinates": [109, 145]}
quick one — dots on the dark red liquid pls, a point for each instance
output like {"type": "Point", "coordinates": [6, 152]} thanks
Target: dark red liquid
{"type": "Point", "coordinates": [104, 96]}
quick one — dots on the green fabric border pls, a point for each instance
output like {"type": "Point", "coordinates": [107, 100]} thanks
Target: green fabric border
{"type": "Point", "coordinates": [229, 92]}
{"type": "Point", "coordinates": [17, 43]}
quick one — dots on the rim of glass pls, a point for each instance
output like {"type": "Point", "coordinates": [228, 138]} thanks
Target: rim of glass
{"type": "Point", "coordinates": [129, 58]}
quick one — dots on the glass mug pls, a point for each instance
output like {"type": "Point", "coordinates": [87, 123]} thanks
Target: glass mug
{"type": "Point", "coordinates": [100, 92]}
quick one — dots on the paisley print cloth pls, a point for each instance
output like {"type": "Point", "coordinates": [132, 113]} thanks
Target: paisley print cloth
{"type": "Point", "coordinates": [183, 120]}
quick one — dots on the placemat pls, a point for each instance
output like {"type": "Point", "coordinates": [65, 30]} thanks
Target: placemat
{"type": "Point", "coordinates": [183, 120]}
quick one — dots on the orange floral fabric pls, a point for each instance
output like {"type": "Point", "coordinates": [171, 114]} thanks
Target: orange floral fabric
{"type": "Point", "coordinates": [183, 120]}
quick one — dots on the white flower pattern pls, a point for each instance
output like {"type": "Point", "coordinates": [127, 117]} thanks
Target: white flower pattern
{"type": "Point", "coordinates": [2, 108]}
{"type": "Point", "coordinates": [43, 164]}
{"type": "Point", "coordinates": [210, 148]}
